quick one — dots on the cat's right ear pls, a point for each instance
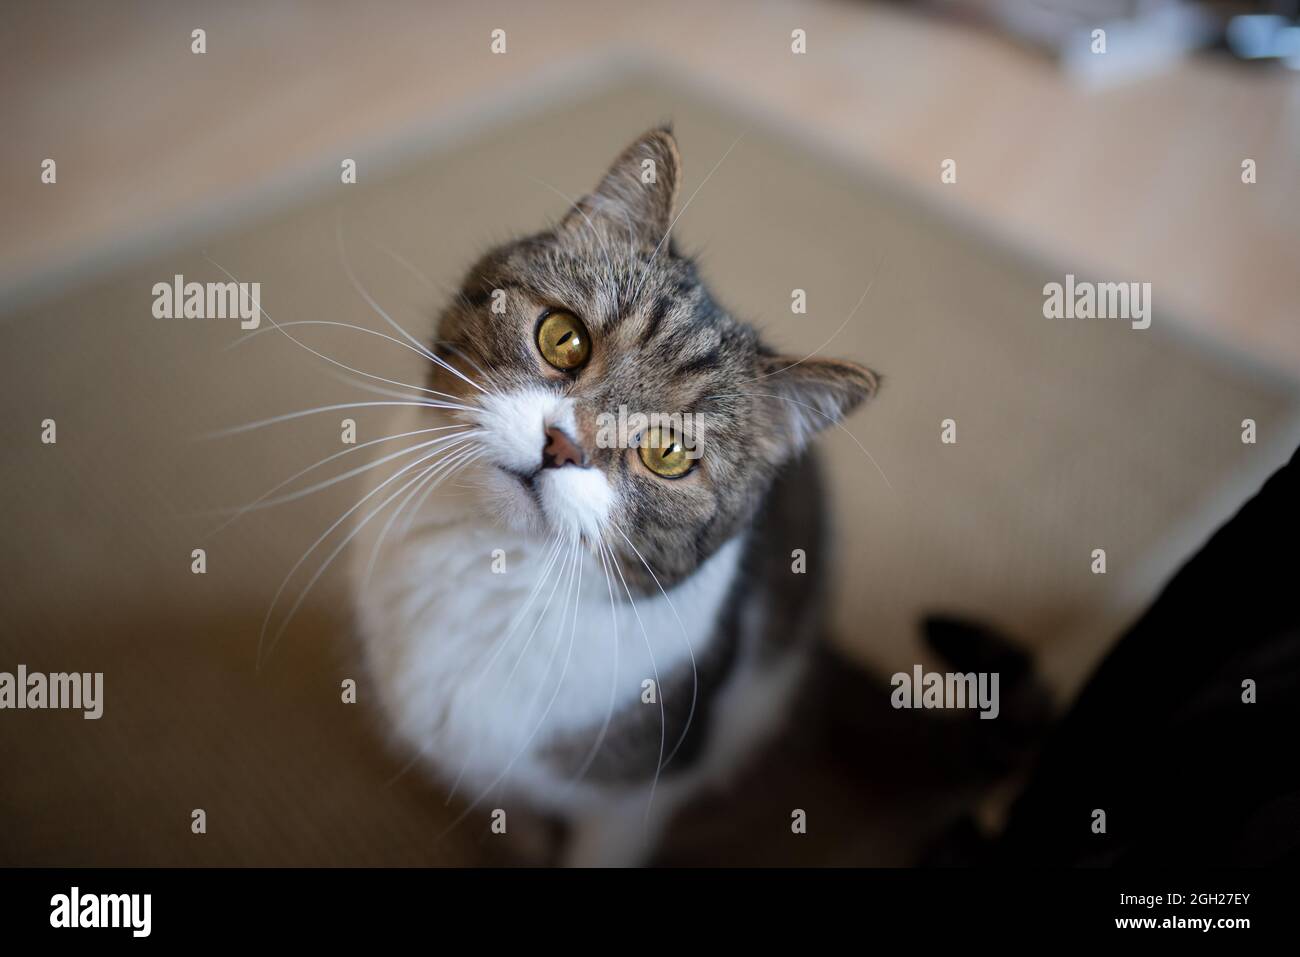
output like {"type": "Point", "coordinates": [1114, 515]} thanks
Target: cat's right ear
{"type": "Point", "coordinates": [806, 395]}
{"type": "Point", "coordinates": [637, 195]}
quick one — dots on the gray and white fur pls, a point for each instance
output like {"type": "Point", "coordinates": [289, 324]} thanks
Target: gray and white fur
{"type": "Point", "coordinates": [575, 635]}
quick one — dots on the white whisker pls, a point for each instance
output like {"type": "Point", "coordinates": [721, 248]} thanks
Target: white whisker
{"type": "Point", "coordinates": [613, 680]}
{"type": "Point", "coordinates": [695, 684]}
{"type": "Point", "coordinates": [853, 312]}
{"type": "Point", "coordinates": [555, 545]}
{"type": "Point", "coordinates": [609, 264]}
{"type": "Point", "coordinates": [478, 453]}
{"type": "Point", "coordinates": [487, 377]}
{"type": "Point", "coordinates": [250, 426]}
{"type": "Point", "coordinates": [299, 342]}
{"type": "Point", "coordinates": [339, 521]}
{"type": "Point", "coordinates": [329, 458]}
{"type": "Point", "coordinates": [377, 389]}
{"type": "Point", "coordinates": [347, 325]}
{"type": "Point", "coordinates": [334, 554]}
{"type": "Point", "coordinates": [427, 483]}
{"type": "Point", "coordinates": [654, 667]}
{"type": "Point", "coordinates": [772, 395]}
{"type": "Point", "coordinates": [303, 493]}
{"type": "Point", "coordinates": [369, 300]}
{"type": "Point", "coordinates": [575, 565]}
{"type": "Point", "coordinates": [669, 231]}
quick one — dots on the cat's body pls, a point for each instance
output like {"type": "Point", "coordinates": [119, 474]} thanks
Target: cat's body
{"type": "Point", "coordinates": [466, 675]}
{"type": "Point", "coordinates": [590, 630]}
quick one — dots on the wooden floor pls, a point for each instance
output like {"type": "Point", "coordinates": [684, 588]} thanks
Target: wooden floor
{"type": "Point", "coordinates": [1138, 182]}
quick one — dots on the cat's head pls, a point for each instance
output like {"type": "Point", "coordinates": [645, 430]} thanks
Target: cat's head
{"type": "Point", "coordinates": [618, 399]}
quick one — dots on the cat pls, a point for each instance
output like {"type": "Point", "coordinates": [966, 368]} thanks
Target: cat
{"type": "Point", "coordinates": [597, 631]}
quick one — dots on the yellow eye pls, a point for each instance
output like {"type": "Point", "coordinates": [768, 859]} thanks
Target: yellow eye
{"type": "Point", "coordinates": [663, 453]}
{"type": "Point", "coordinates": [563, 341]}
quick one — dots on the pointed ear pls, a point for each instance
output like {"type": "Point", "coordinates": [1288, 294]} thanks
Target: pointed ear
{"type": "Point", "coordinates": [809, 395]}
{"type": "Point", "coordinates": [638, 193]}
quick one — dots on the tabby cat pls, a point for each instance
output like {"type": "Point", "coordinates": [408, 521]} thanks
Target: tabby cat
{"type": "Point", "coordinates": [590, 622]}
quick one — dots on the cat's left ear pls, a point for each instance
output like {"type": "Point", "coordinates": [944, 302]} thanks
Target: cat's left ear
{"type": "Point", "coordinates": [637, 195]}
{"type": "Point", "coordinates": [808, 395]}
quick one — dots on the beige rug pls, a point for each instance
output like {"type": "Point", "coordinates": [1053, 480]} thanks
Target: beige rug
{"type": "Point", "coordinates": [1070, 437]}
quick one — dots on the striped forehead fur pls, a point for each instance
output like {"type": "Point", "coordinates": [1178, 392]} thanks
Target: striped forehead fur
{"type": "Point", "coordinates": [660, 343]}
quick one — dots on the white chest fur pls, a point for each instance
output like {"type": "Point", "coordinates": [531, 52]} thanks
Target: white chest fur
{"type": "Point", "coordinates": [485, 644]}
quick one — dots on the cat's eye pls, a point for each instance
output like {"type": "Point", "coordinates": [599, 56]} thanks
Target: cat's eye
{"type": "Point", "coordinates": [563, 340]}
{"type": "Point", "coordinates": [663, 453]}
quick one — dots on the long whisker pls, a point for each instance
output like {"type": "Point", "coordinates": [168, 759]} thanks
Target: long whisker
{"type": "Point", "coordinates": [334, 480]}
{"type": "Point", "coordinates": [574, 565]}
{"type": "Point", "coordinates": [339, 521]}
{"type": "Point", "coordinates": [574, 571]}
{"type": "Point", "coordinates": [613, 680]}
{"type": "Point", "coordinates": [369, 300]}
{"type": "Point", "coordinates": [416, 271]}
{"type": "Point", "coordinates": [334, 554]}
{"type": "Point", "coordinates": [847, 319]}
{"type": "Point", "coordinates": [528, 641]}
{"type": "Point", "coordinates": [555, 545]}
{"type": "Point", "coordinates": [434, 285]}
{"type": "Point", "coordinates": [405, 263]}
{"type": "Point", "coordinates": [631, 246]}
{"type": "Point", "coordinates": [329, 458]}
{"type": "Point", "coordinates": [695, 684]}
{"type": "Point", "coordinates": [428, 483]}
{"type": "Point", "coordinates": [410, 519]}
{"type": "Point", "coordinates": [378, 389]}
{"type": "Point", "coordinates": [569, 560]}
{"type": "Point", "coordinates": [346, 325]}
{"type": "Point", "coordinates": [552, 557]}
{"type": "Point", "coordinates": [564, 669]}
{"type": "Point", "coordinates": [487, 377]}
{"type": "Point", "coordinates": [654, 667]}
{"type": "Point", "coordinates": [609, 264]}
{"type": "Point", "coordinates": [772, 395]}
{"type": "Point", "coordinates": [669, 231]}
{"type": "Point", "coordinates": [262, 423]}
{"type": "Point", "coordinates": [299, 342]}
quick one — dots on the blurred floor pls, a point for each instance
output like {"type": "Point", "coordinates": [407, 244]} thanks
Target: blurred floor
{"type": "Point", "coordinates": [1140, 182]}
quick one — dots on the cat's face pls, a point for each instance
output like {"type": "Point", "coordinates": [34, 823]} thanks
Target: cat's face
{"type": "Point", "coordinates": [617, 399]}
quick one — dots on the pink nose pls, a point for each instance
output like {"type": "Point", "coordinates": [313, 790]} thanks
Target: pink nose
{"type": "Point", "coordinates": [560, 450]}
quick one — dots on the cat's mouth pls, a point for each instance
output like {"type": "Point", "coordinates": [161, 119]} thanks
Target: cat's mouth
{"type": "Point", "coordinates": [531, 486]}
{"type": "Point", "coordinates": [527, 479]}
{"type": "Point", "coordinates": [572, 500]}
